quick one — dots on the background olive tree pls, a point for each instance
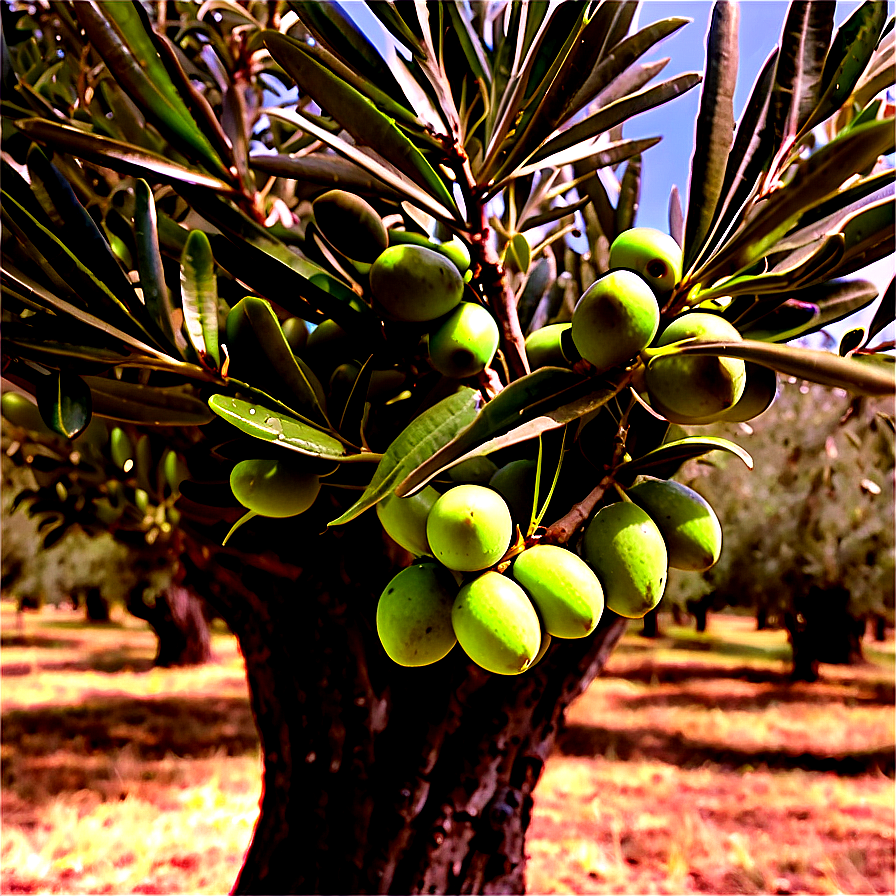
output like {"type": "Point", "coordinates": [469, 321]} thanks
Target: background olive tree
{"type": "Point", "coordinates": [139, 208]}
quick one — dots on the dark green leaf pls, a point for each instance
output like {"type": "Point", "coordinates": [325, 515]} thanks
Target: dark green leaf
{"type": "Point", "coordinates": [798, 73]}
{"type": "Point", "coordinates": [116, 32]}
{"type": "Point", "coordinates": [537, 395]}
{"type": "Point", "coordinates": [850, 52]}
{"type": "Point", "coordinates": [357, 115]}
{"type": "Point", "coordinates": [425, 435]}
{"type": "Point", "coordinates": [63, 399]}
{"type": "Point", "coordinates": [152, 405]}
{"type": "Point", "coordinates": [823, 304]}
{"type": "Point", "coordinates": [850, 341]}
{"type": "Point", "coordinates": [149, 261]}
{"type": "Point", "coordinates": [673, 454]}
{"type": "Point", "coordinates": [715, 127]}
{"type": "Point", "coordinates": [616, 113]}
{"type": "Point", "coordinates": [122, 157]}
{"type": "Point", "coordinates": [629, 195]}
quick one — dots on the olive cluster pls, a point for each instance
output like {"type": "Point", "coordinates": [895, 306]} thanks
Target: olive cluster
{"type": "Point", "coordinates": [618, 317]}
{"type": "Point", "coordinates": [504, 622]}
{"type": "Point", "coordinates": [504, 617]}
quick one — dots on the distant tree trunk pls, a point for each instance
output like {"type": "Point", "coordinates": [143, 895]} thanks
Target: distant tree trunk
{"type": "Point", "coordinates": [178, 619]}
{"type": "Point", "coordinates": [650, 625]}
{"type": "Point", "coordinates": [380, 778]}
{"type": "Point", "coordinates": [761, 618]}
{"type": "Point", "coordinates": [822, 630]}
{"type": "Point", "coordinates": [96, 606]}
{"type": "Point", "coordinates": [677, 615]}
{"type": "Point", "coordinates": [880, 628]}
{"type": "Point", "coordinates": [699, 609]}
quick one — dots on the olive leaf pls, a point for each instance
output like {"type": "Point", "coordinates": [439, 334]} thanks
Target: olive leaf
{"type": "Point", "coordinates": [199, 294]}
{"type": "Point", "coordinates": [672, 454]}
{"type": "Point", "coordinates": [432, 429]}
{"type": "Point", "coordinates": [64, 402]}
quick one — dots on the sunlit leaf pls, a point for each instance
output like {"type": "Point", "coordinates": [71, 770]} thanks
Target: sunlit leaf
{"type": "Point", "coordinates": [673, 454]}
{"type": "Point", "coordinates": [64, 402]}
{"type": "Point", "coordinates": [151, 405]}
{"type": "Point", "coordinates": [427, 433]}
{"type": "Point", "coordinates": [199, 293]}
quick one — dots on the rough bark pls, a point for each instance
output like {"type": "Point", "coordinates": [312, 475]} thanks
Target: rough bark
{"type": "Point", "coordinates": [178, 619]}
{"type": "Point", "coordinates": [378, 778]}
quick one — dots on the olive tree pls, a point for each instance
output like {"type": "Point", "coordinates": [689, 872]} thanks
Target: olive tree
{"type": "Point", "coordinates": [247, 234]}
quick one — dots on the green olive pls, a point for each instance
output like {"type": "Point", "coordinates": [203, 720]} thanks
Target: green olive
{"type": "Point", "coordinates": [651, 253]}
{"type": "Point", "coordinates": [465, 342]}
{"type": "Point", "coordinates": [275, 488]}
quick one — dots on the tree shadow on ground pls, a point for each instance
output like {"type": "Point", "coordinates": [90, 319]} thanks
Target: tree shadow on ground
{"type": "Point", "coordinates": [877, 695]}
{"type": "Point", "coordinates": [109, 660]}
{"type": "Point", "coordinates": [151, 728]}
{"type": "Point", "coordinates": [41, 641]}
{"type": "Point", "coordinates": [675, 748]}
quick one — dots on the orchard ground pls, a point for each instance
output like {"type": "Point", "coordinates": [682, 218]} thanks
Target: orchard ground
{"type": "Point", "coordinates": [692, 765]}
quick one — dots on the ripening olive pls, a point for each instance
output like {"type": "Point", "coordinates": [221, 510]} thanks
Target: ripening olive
{"type": "Point", "coordinates": [413, 615]}
{"type": "Point", "coordinates": [351, 225]}
{"type": "Point", "coordinates": [413, 283]}
{"type": "Point", "coordinates": [469, 528]}
{"type": "Point", "coordinates": [564, 589]}
{"type": "Point", "coordinates": [624, 547]}
{"type": "Point", "coordinates": [404, 519]}
{"type": "Point", "coordinates": [21, 411]}
{"type": "Point", "coordinates": [276, 488]}
{"type": "Point", "coordinates": [695, 388]}
{"type": "Point", "coordinates": [615, 319]}
{"type": "Point", "coordinates": [496, 624]}
{"type": "Point", "coordinates": [544, 347]}
{"type": "Point", "coordinates": [464, 343]}
{"type": "Point", "coordinates": [687, 522]}
{"type": "Point", "coordinates": [651, 253]}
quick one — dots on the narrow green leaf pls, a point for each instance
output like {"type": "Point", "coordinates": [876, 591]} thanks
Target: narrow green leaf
{"type": "Point", "coordinates": [156, 295]}
{"type": "Point", "coordinates": [280, 429]}
{"type": "Point", "coordinates": [812, 183]}
{"type": "Point", "coordinates": [357, 115]}
{"type": "Point", "coordinates": [147, 405]}
{"type": "Point", "coordinates": [473, 48]}
{"type": "Point", "coordinates": [245, 518]}
{"type": "Point", "coordinates": [715, 127]}
{"type": "Point", "coordinates": [618, 60]}
{"type": "Point", "coordinates": [617, 113]}
{"type": "Point", "coordinates": [382, 172]}
{"type": "Point", "coordinates": [525, 399]}
{"type": "Point", "coordinates": [325, 170]}
{"type": "Point", "coordinates": [804, 43]}
{"type": "Point", "coordinates": [116, 32]}
{"type": "Point", "coordinates": [63, 399]}
{"type": "Point", "coordinates": [851, 50]}
{"type": "Point", "coordinates": [422, 437]}
{"type": "Point", "coordinates": [820, 305]}
{"type": "Point", "coordinates": [809, 364]}
{"type": "Point", "coordinates": [629, 195]}
{"type": "Point", "coordinates": [676, 453]}
{"type": "Point", "coordinates": [199, 294]}
{"type": "Point", "coordinates": [121, 157]}
{"type": "Point", "coordinates": [260, 354]}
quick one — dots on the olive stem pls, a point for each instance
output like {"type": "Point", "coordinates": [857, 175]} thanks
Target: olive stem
{"type": "Point", "coordinates": [564, 529]}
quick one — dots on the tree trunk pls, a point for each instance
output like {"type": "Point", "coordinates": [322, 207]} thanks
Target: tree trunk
{"type": "Point", "coordinates": [880, 628]}
{"type": "Point", "coordinates": [178, 619]}
{"type": "Point", "coordinates": [97, 607]}
{"type": "Point", "coordinates": [379, 778]}
{"type": "Point", "coordinates": [822, 630]}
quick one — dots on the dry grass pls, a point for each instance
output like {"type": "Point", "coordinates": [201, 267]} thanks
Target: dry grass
{"type": "Point", "coordinates": [693, 766]}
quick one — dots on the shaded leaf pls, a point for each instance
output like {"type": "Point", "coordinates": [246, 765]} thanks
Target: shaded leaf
{"type": "Point", "coordinates": [123, 157]}
{"type": "Point", "coordinates": [886, 311]}
{"type": "Point", "coordinates": [673, 454]}
{"type": "Point", "coordinates": [141, 404]}
{"type": "Point", "coordinates": [357, 115]}
{"type": "Point", "coordinates": [64, 402]}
